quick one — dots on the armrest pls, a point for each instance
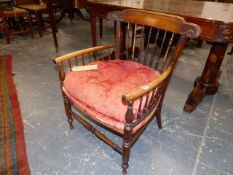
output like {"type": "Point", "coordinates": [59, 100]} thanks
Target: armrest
{"type": "Point", "coordinates": [80, 53]}
{"type": "Point", "coordinates": [143, 90]}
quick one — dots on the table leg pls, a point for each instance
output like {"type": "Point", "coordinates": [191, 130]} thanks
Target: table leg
{"type": "Point", "coordinates": [93, 29]}
{"type": "Point", "coordinates": [52, 23]}
{"type": "Point", "coordinates": [208, 83]}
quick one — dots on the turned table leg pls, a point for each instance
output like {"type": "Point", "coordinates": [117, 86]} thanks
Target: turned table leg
{"type": "Point", "coordinates": [208, 83]}
{"type": "Point", "coordinates": [52, 23]}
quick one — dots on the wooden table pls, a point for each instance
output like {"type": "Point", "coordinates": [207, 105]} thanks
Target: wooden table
{"type": "Point", "coordinates": [214, 18]}
{"type": "Point", "coordinates": [77, 4]}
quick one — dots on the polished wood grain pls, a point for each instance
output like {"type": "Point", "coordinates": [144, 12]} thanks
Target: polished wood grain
{"type": "Point", "coordinates": [214, 18]}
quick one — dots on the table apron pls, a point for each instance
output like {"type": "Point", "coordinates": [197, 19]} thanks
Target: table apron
{"type": "Point", "coordinates": [211, 31]}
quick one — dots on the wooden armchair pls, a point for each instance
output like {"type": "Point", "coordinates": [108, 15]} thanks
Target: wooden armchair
{"type": "Point", "coordinates": [124, 95]}
{"type": "Point", "coordinates": [37, 8]}
{"type": "Point", "coordinates": [14, 22]}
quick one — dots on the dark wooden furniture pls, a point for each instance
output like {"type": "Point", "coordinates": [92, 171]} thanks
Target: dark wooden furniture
{"type": "Point", "coordinates": [37, 8]}
{"type": "Point", "coordinates": [14, 22]}
{"type": "Point", "coordinates": [76, 4]}
{"type": "Point", "coordinates": [224, 1]}
{"type": "Point", "coordinates": [214, 18]}
{"type": "Point", "coordinates": [71, 6]}
{"type": "Point", "coordinates": [135, 104]}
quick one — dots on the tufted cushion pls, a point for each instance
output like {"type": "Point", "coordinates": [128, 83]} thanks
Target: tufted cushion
{"type": "Point", "coordinates": [99, 92]}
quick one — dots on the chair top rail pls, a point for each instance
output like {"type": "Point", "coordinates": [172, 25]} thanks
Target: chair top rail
{"type": "Point", "coordinates": [172, 23]}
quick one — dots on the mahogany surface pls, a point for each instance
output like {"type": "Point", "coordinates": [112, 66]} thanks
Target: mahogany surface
{"type": "Point", "coordinates": [214, 18]}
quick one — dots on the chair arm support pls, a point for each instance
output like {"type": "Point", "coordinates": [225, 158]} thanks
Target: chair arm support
{"type": "Point", "coordinates": [143, 90]}
{"type": "Point", "coordinates": [80, 52]}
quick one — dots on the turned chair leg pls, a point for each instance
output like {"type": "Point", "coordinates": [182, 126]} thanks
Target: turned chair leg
{"type": "Point", "coordinates": [125, 156]}
{"type": "Point", "coordinates": [30, 25]}
{"type": "Point", "coordinates": [158, 117]}
{"type": "Point", "coordinates": [67, 104]}
{"type": "Point", "coordinates": [5, 29]}
{"type": "Point", "coordinates": [101, 27]}
{"type": "Point", "coordinates": [7, 33]}
{"type": "Point", "coordinates": [8, 38]}
{"type": "Point", "coordinates": [127, 141]}
{"type": "Point", "coordinates": [39, 23]}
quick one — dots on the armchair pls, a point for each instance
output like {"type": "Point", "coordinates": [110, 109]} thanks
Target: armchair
{"type": "Point", "coordinates": [121, 87]}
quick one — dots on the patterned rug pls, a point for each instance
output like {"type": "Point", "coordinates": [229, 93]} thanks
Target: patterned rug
{"type": "Point", "coordinates": [13, 158]}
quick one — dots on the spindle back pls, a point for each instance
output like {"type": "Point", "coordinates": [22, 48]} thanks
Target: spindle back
{"type": "Point", "coordinates": [150, 38]}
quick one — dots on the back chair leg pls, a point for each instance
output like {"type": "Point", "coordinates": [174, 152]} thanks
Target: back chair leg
{"type": "Point", "coordinates": [30, 25]}
{"type": "Point", "coordinates": [158, 117]}
{"type": "Point", "coordinates": [8, 39]}
{"type": "Point", "coordinates": [231, 52]}
{"type": "Point", "coordinates": [7, 33]}
{"type": "Point", "coordinates": [5, 29]}
{"type": "Point", "coordinates": [101, 27]}
{"type": "Point", "coordinates": [67, 104]}
{"type": "Point", "coordinates": [38, 21]}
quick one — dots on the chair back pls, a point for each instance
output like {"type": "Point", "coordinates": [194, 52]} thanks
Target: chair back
{"type": "Point", "coordinates": [153, 39]}
{"type": "Point", "coordinates": [150, 38]}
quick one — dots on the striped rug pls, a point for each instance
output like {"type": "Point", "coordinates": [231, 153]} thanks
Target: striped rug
{"type": "Point", "coordinates": [13, 158]}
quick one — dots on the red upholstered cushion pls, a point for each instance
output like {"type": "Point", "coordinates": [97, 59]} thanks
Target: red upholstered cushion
{"type": "Point", "coordinates": [99, 92]}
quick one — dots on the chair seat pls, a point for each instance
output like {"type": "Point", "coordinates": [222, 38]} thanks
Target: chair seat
{"type": "Point", "coordinates": [15, 12]}
{"type": "Point", "coordinates": [34, 7]}
{"type": "Point", "coordinates": [99, 92]}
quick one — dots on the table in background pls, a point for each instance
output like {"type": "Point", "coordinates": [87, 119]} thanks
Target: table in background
{"type": "Point", "coordinates": [76, 4]}
{"type": "Point", "coordinates": [214, 18]}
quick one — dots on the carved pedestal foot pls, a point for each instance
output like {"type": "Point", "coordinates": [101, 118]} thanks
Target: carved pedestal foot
{"type": "Point", "coordinates": [194, 98]}
{"type": "Point", "coordinates": [198, 93]}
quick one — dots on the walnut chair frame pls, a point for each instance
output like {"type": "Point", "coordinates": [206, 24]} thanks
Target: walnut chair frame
{"type": "Point", "coordinates": [161, 38]}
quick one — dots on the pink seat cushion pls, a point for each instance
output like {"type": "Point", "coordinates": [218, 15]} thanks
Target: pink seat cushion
{"type": "Point", "coordinates": [98, 92]}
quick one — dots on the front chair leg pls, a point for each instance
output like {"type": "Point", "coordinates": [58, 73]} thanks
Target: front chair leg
{"type": "Point", "coordinates": [127, 143]}
{"type": "Point", "coordinates": [127, 137]}
{"type": "Point", "coordinates": [158, 117]}
{"type": "Point", "coordinates": [67, 104]}
{"type": "Point", "coordinates": [125, 156]}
